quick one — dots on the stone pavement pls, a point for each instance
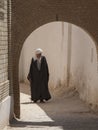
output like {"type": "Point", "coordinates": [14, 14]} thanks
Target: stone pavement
{"type": "Point", "coordinates": [60, 113]}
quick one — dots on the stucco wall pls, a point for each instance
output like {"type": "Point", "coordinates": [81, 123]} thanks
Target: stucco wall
{"type": "Point", "coordinates": [84, 74]}
{"type": "Point", "coordinates": [69, 51]}
{"type": "Point", "coordinates": [4, 112]}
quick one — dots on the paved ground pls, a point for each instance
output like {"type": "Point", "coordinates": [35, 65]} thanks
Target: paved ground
{"type": "Point", "coordinates": [63, 112]}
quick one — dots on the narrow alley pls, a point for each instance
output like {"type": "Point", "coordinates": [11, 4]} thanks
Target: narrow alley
{"type": "Point", "coordinates": [67, 33]}
{"type": "Point", "coordinates": [63, 112]}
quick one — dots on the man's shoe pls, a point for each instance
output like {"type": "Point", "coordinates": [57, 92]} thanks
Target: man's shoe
{"type": "Point", "coordinates": [41, 101]}
{"type": "Point", "coordinates": [35, 101]}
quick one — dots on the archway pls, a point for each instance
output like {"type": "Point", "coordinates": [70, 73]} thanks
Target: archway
{"type": "Point", "coordinates": [71, 55]}
{"type": "Point", "coordinates": [32, 14]}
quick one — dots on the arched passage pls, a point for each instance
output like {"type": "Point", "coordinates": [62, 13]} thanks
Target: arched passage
{"type": "Point", "coordinates": [71, 55]}
{"type": "Point", "coordinates": [29, 15]}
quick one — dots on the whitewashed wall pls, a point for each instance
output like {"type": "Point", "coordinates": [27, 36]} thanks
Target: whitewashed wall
{"type": "Point", "coordinates": [52, 38]}
{"type": "Point", "coordinates": [71, 55]}
{"type": "Point", "coordinates": [84, 74]}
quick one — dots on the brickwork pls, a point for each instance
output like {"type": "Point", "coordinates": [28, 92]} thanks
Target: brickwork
{"type": "Point", "coordinates": [28, 15]}
{"type": "Point", "coordinates": [4, 83]}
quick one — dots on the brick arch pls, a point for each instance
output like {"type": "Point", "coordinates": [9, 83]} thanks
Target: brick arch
{"type": "Point", "coordinates": [27, 15]}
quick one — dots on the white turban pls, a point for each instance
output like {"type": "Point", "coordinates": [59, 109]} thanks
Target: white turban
{"type": "Point", "coordinates": [38, 51]}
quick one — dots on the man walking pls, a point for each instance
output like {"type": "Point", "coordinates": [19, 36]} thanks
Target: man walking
{"type": "Point", "coordinates": [39, 77]}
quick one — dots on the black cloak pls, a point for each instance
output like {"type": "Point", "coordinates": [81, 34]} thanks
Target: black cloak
{"type": "Point", "coordinates": [39, 80]}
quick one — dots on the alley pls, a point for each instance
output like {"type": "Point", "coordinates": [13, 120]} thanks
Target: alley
{"type": "Point", "coordinates": [64, 112]}
{"type": "Point", "coordinates": [67, 32]}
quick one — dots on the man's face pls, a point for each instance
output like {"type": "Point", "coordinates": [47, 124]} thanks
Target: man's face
{"type": "Point", "coordinates": [38, 55]}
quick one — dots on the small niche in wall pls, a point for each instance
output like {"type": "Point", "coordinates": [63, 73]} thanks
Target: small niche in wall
{"type": "Point", "coordinates": [92, 54]}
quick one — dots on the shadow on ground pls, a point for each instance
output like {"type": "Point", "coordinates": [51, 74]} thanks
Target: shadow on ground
{"type": "Point", "coordinates": [67, 124]}
{"type": "Point", "coordinates": [66, 112]}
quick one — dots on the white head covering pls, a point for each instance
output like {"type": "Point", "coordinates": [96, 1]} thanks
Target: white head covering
{"type": "Point", "coordinates": [38, 51]}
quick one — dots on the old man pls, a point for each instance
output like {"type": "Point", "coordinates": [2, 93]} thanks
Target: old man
{"type": "Point", "coordinates": [39, 77]}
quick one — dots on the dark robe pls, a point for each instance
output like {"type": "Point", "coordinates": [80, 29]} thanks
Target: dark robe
{"type": "Point", "coordinates": [39, 80]}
